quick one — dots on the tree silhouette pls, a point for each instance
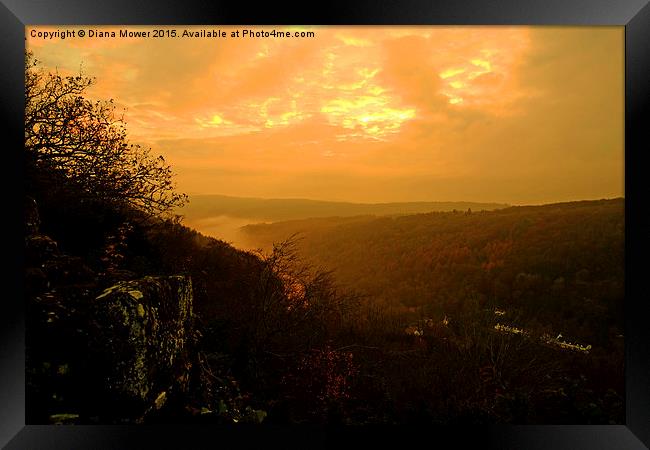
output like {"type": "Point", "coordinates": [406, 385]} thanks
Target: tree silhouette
{"type": "Point", "coordinates": [86, 143]}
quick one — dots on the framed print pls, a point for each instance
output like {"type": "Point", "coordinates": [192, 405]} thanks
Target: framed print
{"type": "Point", "coordinates": [375, 223]}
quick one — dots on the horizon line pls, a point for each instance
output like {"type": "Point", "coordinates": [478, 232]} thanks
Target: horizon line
{"type": "Point", "coordinates": [408, 201]}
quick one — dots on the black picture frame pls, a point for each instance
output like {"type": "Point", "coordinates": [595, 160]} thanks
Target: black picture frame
{"type": "Point", "coordinates": [634, 15]}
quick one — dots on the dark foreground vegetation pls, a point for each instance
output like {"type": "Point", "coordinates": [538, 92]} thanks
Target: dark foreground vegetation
{"type": "Point", "coordinates": [451, 318]}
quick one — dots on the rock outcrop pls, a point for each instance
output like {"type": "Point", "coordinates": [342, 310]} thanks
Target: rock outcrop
{"type": "Point", "coordinates": [142, 330]}
{"type": "Point", "coordinates": [98, 354]}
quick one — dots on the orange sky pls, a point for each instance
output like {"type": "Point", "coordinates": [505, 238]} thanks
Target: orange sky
{"type": "Point", "coordinates": [507, 114]}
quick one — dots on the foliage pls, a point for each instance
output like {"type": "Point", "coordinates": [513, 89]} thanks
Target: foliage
{"type": "Point", "coordinates": [86, 142]}
{"type": "Point", "coordinates": [320, 382]}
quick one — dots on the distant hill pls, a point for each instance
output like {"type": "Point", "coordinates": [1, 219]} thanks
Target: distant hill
{"type": "Point", "coordinates": [223, 217]}
{"type": "Point", "coordinates": [273, 210]}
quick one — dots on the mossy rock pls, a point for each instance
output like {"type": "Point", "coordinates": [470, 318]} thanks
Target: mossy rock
{"type": "Point", "coordinates": [142, 330]}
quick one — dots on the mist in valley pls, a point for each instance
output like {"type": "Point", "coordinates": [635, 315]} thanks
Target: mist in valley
{"type": "Point", "coordinates": [225, 228]}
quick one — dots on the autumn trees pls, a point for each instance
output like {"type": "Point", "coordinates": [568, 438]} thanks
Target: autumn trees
{"type": "Point", "coordinates": [69, 137]}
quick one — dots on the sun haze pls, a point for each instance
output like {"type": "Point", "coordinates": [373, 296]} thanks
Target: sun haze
{"type": "Point", "coordinates": [370, 114]}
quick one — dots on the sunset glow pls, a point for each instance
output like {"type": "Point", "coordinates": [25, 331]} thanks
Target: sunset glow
{"type": "Point", "coordinates": [315, 226]}
{"type": "Point", "coordinates": [507, 114]}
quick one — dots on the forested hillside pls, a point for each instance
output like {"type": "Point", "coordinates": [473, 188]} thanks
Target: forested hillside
{"type": "Point", "coordinates": [559, 266]}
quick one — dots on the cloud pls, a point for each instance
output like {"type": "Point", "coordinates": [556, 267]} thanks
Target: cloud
{"type": "Point", "coordinates": [515, 114]}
